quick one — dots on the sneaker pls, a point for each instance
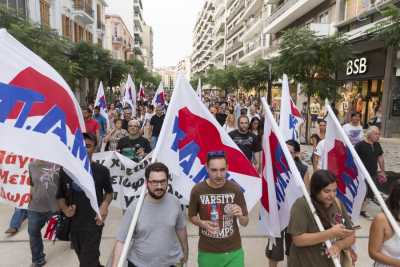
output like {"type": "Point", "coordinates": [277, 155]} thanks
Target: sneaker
{"type": "Point", "coordinates": [11, 231]}
{"type": "Point", "coordinates": [366, 215]}
{"type": "Point", "coordinates": [39, 264]}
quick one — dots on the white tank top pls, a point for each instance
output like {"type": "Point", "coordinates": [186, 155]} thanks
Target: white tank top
{"type": "Point", "coordinates": [391, 248]}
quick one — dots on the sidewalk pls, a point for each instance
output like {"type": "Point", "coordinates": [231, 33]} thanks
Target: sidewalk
{"type": "Point", "coordinates": [15, 251]}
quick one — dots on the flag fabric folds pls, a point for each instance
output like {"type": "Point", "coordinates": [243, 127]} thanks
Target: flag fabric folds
{"type": "Point", "coordinates": [101, 102]}
{"type": "Point", "coordinates": [141, 95]}
{"type": "Point", "coordinates": [281, 181]}
{"type": "Point", "coordinates": [189, 132]}
{"type": "Point", "coordinates": [39, 115]}
{"type": "Point", "coordinates": [339, 157]}
{"type": "Point", "coordinates": [290, 116]}
{"type": "Point", "coordinates": [130, 94]}
{"type": "Point", "coordinates": [159, 97]}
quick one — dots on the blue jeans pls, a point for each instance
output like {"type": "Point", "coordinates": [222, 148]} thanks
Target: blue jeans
{"type": "Point", "coordinates": [36, 221]}
{"type": "Point", "coordinates": [153, 142]}
{"type": "Point", "coordinates": [17, 218]}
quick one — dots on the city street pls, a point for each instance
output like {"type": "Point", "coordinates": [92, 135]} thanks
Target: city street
{"type": "Point", "coordinates": [15, 250]}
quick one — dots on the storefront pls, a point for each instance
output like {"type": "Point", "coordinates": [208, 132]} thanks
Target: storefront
{"type": "Point", "coordinates": [363, 82]}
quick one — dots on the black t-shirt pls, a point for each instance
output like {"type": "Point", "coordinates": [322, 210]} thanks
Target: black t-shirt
{"type": "Point", "coordinates": [221, 118]}
{"type": "Point", "coordinates": [248, 142]}
{"type": "Point", "coordinates": [129, 147]}
{"type": "Point", "coordinates": [369, 156]}
{"type": "Point", "coordinates": [301, 167]}
{"type": "Point", "coordinates": [125, 124]}
{"type": "Point", "coordinates": [84, 218]}
{"type": "Point", "coordinates": [157, 123]}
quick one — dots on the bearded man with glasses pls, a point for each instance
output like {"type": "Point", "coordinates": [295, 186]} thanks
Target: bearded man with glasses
{"type": "Point", "coordinates": [160, 237]}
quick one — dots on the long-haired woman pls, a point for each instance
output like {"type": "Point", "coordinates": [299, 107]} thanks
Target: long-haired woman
{"type": "Point", "coordinates": [308, 248]}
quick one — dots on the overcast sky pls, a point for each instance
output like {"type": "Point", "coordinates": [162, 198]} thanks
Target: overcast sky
{"type": "Point", "coordinates": [172, 21]}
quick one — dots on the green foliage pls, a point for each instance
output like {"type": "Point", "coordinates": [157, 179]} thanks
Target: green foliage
{"type": "Point", "coordinates": [389, 29]}
{"type": "Point", "coordinates": [312, 61]}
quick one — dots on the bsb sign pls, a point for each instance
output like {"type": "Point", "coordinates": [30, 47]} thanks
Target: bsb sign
{"type": "Point", "coordinates": [356, 66]}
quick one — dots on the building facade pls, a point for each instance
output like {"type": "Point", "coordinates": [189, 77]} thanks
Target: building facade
{"type": "Point", "coordinates": [147, 47]}
{"type": "Point", "coordinates": [184, 66]}
{"type": "Point", "coordinates": [203, 39]}
{"type": "Point", "coordinates": [168, 76]}
{"type": "Point", "coordinates": [118, 39]}
{"type": "Point", "coordinates": [76, 20]}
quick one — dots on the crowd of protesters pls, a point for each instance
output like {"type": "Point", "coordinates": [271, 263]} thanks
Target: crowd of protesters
{"type": "Point", "coordinates": [161, 236]}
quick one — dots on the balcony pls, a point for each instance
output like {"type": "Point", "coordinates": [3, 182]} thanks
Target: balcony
{"type": "Point", "coordinates": [235, 29]}
{"type": "Point", "coordinates": [252, 50]}
{"type": "Point", "coordinates": [288, 13]}
{"type": "Point", "coordinates": [83, 12]}
{"type": "Point", "coordinates": [138, 4]}
{"type": "Point", "coordinates": [322, 29]}
{"type": "Point", "coordinates": [233, 48]}
{"type": "Point", "coordinates": [235, 12]}
{"type": "Point", "coordinates": [117, 39]}
{"type": "Point", "coordinates": [253, 27]}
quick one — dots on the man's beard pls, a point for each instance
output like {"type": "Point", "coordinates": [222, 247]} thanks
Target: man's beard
{"type": "Point", "coordinates": [153, 195]}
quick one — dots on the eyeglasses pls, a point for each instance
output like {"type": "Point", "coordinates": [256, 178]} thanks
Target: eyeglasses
{"type": "Point", "coordinates": [218, 153]}
{"type": "Point", "coordinates": [161, 182]}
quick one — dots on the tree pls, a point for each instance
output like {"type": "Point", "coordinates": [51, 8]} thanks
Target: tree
{"type": "Point", "coordinates": [389, 29]}
{"type": "Point", "coordinates": [312, 61]}
{"type": "Point", "coordinates": [225, 79]}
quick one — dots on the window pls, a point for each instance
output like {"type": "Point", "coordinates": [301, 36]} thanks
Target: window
{"type": "Point", "coordinates": [19, 6]}
{"type": "Point", "coordinates": [44, 13]}
{"type": "Point", "coordinates": [324, 17]}
{"type": "Point", "coordinates": [66, 27]}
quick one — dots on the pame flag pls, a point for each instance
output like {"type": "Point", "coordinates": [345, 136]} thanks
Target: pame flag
{"type": "Point", "coordinates": [159, 97]}
{"type": "Point", "coordinates": [130, 94]}
{"type": "Point", "coordinates": [141, 95]}
{"type": "Point", "coordinates": [290, 116]}
{"type": "Point", "coordinates": [281, 181]}
{"type": "Point", "coordinates": [39, 115]}
{"type": "Point", "coordinates": [189, 132]}
{"type": "Point", "coordinates": [340, 158]}
{"type": "Point", "coordinates": [101, 102]}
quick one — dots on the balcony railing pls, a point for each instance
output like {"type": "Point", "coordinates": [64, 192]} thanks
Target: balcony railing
{"type": "Point", "coordinates": [84, 7]}
{"type": "Point", "coordinates": [236, 46]}
{"type": "Point", "coordinates": [280, 10]}
{"type": "Point", "coordinates": [236, 11]}
{"type": "Point", "coordinates": [117, 39]}
{"type": "Point", "coordinates": [234, 30]}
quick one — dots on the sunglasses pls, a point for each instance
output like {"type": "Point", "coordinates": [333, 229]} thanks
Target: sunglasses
{"type": "Point", "coordinates": [218, 153]}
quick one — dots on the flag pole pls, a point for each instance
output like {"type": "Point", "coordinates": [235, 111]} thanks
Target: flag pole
{"type": "Point", "coordinates": [364, 172]}
{"type": "Point", "coordinates": [297, 176]}
{"type": "Point", "coordinates": [135, 217]}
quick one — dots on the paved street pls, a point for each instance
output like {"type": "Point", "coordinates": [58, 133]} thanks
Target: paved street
{"type": "Point", "coordinates": [15, 251]}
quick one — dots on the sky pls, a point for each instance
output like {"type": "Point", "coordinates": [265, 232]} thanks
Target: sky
{"type": "Point", "coordinates": [173, 22]}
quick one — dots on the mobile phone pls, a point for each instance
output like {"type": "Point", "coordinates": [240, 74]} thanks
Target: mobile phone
{"type": "Point", "coordinates": [356, 227]}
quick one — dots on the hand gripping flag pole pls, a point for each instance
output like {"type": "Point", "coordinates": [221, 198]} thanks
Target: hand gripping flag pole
{"type": "Point", "coordinates": [297, 175]}
{"type": "Point", "coordinates": [363, 170]}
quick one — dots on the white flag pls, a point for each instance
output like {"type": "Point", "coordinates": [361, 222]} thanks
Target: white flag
{"type": "Point", "coordinates": [290, 116]}
{"type": "Point", "coordinates": [340, 158]}
{"type": "Point", "coordinates": [130, 94]}
{"type": "Point", "coordinates": [39, 115]}
{"type": "Point", "coordinates": [189, 132]}
{"type": "Point", "coordinates": [101, 102]}
{"type": "Point", "coordinates": [281, 185]}
{"type": "Point", "coordinates": [159, 96]}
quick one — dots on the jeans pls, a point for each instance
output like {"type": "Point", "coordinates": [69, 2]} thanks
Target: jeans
{"type": "Point", "coordinates": [153, 142]}
{"type": "Point", "coordinates": [17, 218]}
{"type": "Point", "coordinates": [36, 221]}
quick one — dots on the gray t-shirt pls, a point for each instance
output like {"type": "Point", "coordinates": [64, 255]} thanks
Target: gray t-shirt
{"type": "Point", "coordinates": [155, 242]}
{"type": "Point", "coordinates": [44, 183]}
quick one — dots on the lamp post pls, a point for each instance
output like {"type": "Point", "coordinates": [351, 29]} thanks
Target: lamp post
{"type": "Point", "coordinates": [110, 85]}
{"type": "Point", "coordinates": [269, 92]}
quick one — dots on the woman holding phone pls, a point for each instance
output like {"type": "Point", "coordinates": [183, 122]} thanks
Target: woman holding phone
{"type": "Point", "coordinates": [384, 243]}
{"type": "Point", "coordinates": [308, 246]}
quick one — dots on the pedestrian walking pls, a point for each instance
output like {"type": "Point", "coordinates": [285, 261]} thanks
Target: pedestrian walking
{"type": "Point", "coordinates": [86, 226]}
{"type": "Point", "coordinates": [216, 205]}
{"type": "Point", "coordinates": [43, 204]}
{"type": "Point", "coordinates": [308, 247]}
{"type": "Point", "coordinates": [160, 237]}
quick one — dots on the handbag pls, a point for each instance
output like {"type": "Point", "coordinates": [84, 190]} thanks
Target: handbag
{"type": "Point", "coordinates": [63, 228]}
